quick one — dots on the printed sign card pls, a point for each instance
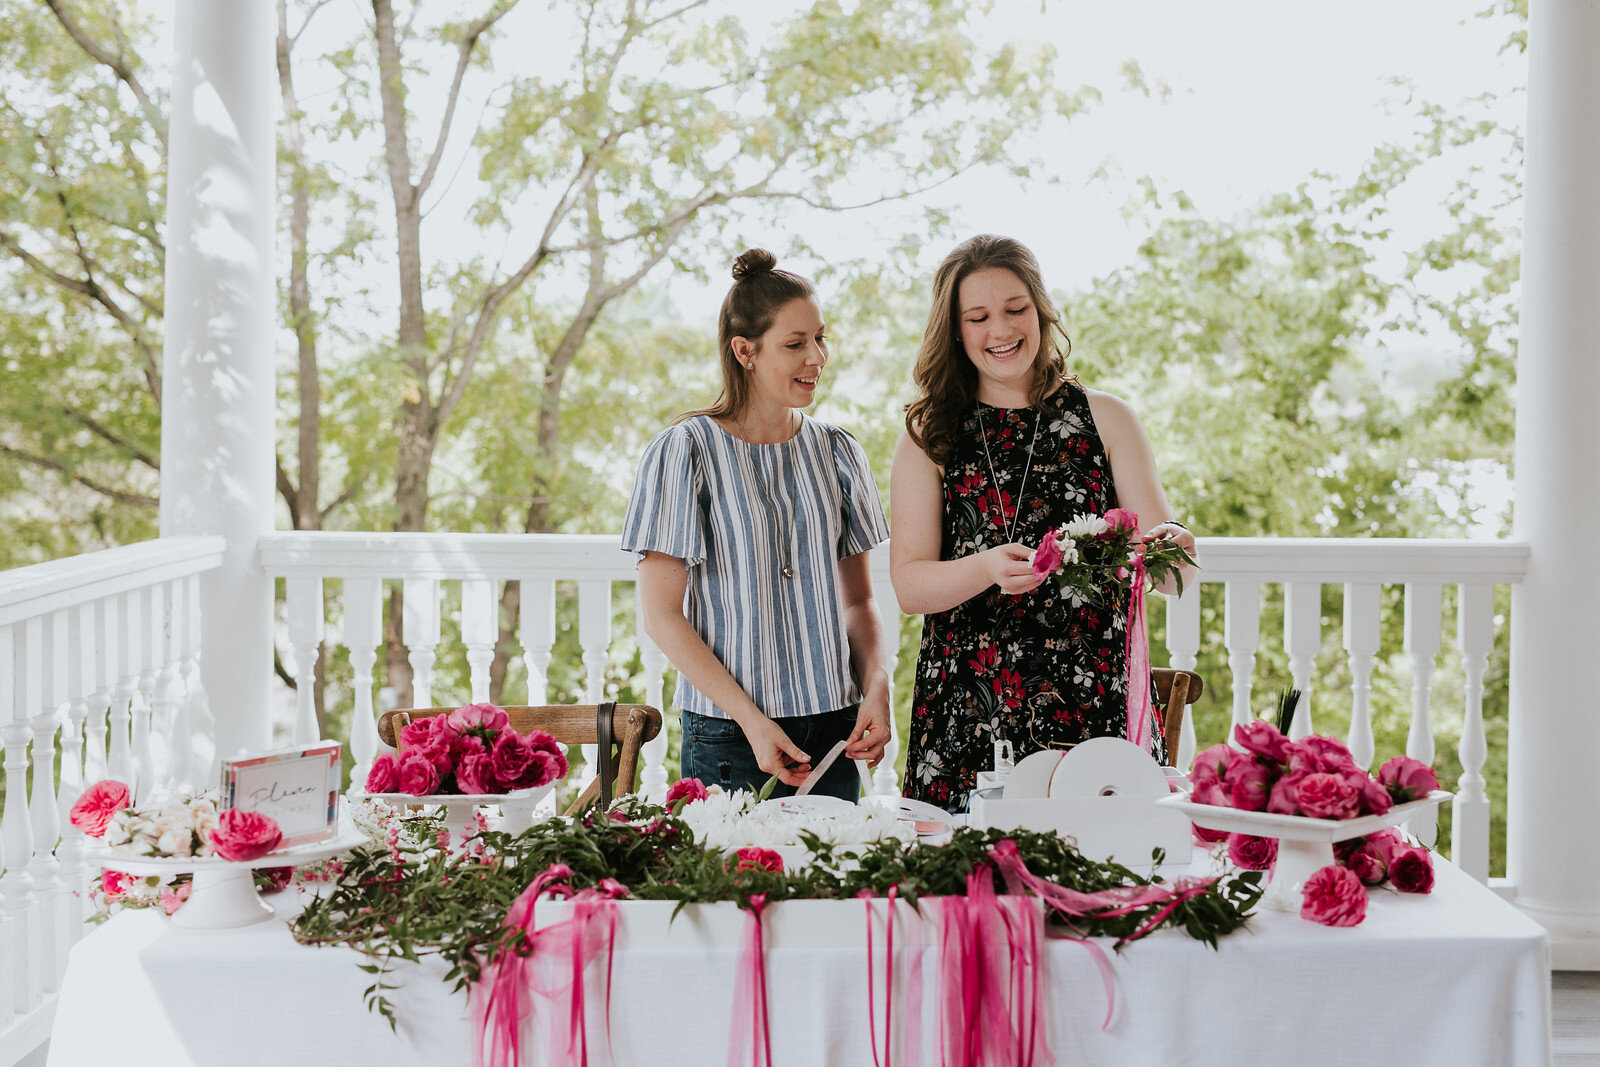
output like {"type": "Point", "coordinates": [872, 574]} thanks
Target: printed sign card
{"type": "Point", "coordinates": [299, 787]}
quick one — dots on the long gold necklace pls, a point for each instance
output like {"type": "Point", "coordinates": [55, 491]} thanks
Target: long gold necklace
{"type": "Point", "coordinates": [1008, 528]}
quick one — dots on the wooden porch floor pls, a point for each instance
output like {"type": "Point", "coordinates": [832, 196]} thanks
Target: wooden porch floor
{"type": "Point", "coordinates": [1575, 1018]}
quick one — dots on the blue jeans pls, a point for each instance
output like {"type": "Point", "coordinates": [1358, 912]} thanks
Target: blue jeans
{"type": "Point", "coordinates": [716, 752]}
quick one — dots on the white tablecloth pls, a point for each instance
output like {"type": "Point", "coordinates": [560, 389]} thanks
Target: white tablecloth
{"type": "Point", "coordinates": [1457, 977]}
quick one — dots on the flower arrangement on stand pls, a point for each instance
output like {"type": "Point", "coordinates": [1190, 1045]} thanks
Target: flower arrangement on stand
{"type": "Point", "coordinates": [469, 751]}
{"type": "Point", "coordinates": [1317, 778]}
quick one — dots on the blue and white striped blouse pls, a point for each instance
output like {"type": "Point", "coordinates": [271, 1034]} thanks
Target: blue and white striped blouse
{"type": "Point", "coordinates": [735, 512]}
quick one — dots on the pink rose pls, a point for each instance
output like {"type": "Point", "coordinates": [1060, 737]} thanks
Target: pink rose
{"type": "Point", "coordinates": [1285, 798]}
{"type": "Point", "coordinates": [1047, 557]}
{"type": "Point", "coordinates": [1407, 779]}
{"type": "Point", "coordinates": [1375, 799]}
{"type": "Point", "coordinates": [276, 877]}
{"type": "Point", "coordinates": [97, 804]}
{"type": "Point", "coordinates": [1249, 784]}
{"type": "Point", "coordinates": [687, 790]}
{"type": "Point", "coordinates": [478, 716]}
{"type": "Point", "coordinates": [1252, 853]}
{"type": "Point", "coordinates": [1212, 764]}
{"type": "Point", "coordinates": [114, 885]}
{"type": "Point", "coordinates": [1319, 754]}
{"type": "Point", "coordinates": [1328, 796]}
{"type": "Point", "coordinates": [1212, 792]}
{"type": "Point", "coordinates": [385, 774]}
{"type": "Point", "coordinates": [420, 731]}
{"type": "Point", "coordinates": [1208, 837]}
{"type": "Point", "coordinates": [1263, 739]}
{"type": "Point", "coordinates": [1411, 869]}
{"type": "Point", "coordinates": [1365, 861]}
{"type": "Point", "coordinates": [758, 859]}
{"type": "Point", "coordinates": [418, 774]}
{"type": "Point", "coordinates": [1334, 896]}
{"type": "Point", "coordinates": [545, 764]}
{"type": "Point", "coordinates": [511, 757]}
{"type": "Point", "coordinates": [476, 774]}
{"type": "Point", "coordinates": [241, 836]}
{"type": "Point", "coordinates": [1122, 519]}
{"type": "Point", "coordinates": [465, 745]}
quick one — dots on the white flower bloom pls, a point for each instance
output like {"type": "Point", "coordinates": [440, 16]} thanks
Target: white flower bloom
{"type": "Point", "coordinates": [1085, 526]}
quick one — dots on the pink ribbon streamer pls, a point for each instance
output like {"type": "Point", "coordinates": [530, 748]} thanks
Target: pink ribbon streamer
{"type": "Point", "coordinates": [992, 996]}
{"type": "Point", "coordinates": [888, 982]}
{"type": "Point", "coordinates": [1140, 710]}
{"type": "Point", "coordinates": [750, 1002]}
{"type": "Point", "coordinates": [513, 983]}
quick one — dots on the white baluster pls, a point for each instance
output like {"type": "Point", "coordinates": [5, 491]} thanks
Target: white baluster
{"type": "Point", "coordinates": [43, 688]}
{"type": "Point", "coordinates": [421, 622]}
{"type": "Point", "coordinates": [1469, 824]}
{"type": "Point", "coordinates": [305, 610]}
{"type": "Point", "coordinates": [16, 886]}
{"type": "Point", "coordinates": [1361, 630]}
{"type": "Point", "coordinates": [181, 772]}
{"type": "Point", "coordinates": [166, 743]}
{"type": "Point", "coordinates": [594, 637]}
{"type": "Point", "coordinates": [883, 779]}
{"type": "Point", "coordinates": [480, 628]}
{"type": "Point", "coordinates": [653, 782]}
{"type": "Point", "coordinates": [149, 667]}
{"type": "Point", "coordinates": [1422, 642]}
{"type": "Point", "coordinates": [81, 682]}
{"type": "Point", "coordinates": [1183, 652]}
{"type": "Point", "coordinates": [1242, 630]}
{"type": "Point", "coordinates": [200, 730]}
{"type": "Point", "coordinates": [538, 635]}
{"type": "Point", "coordinates": [363, 630]}
{"type": "Point", "coordinates": [1302, 639]}
{"type": "Point", "coordinates": [119, 762]}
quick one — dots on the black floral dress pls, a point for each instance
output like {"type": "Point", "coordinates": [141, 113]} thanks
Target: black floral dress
{"type": "Point", "coordinates": [1041, 670]}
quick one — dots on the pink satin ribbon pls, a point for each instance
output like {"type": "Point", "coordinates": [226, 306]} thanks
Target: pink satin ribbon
{"type": "Point", "coordinates": [1140, 709]}
{"type": "Point", "coordinates": [750, 1001]}
{"type": "Point", "coordinates": [520, 979]}
{"type": "Point", "coordinates": [992, 999]}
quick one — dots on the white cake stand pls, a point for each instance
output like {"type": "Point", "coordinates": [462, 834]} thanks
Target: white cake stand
{"type": "Point", "coordinates": [223, 893]}
{"type": "Point", "coordinates": [1305, 845]}
{"type": "Point", "coordinates": [517, 806]}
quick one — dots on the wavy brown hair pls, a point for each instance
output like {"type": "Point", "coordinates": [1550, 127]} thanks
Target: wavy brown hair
{"type": "Point", "coordinates": [947, 382]}
{"type": "Point", "coordinates": [759, 290]}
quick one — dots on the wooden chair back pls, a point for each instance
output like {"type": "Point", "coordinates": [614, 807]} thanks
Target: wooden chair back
{"type": "Point", "coordinates": [571, 724]}
{"type": "Point", "coordinates": [1175, 690]}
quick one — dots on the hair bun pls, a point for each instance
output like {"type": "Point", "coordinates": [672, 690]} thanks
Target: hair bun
{"type": "Point", "coordinates": [753, 261]}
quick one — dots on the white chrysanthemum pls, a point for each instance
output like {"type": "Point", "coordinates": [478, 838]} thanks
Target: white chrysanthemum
{"type": "Point", "coordinates": [730, 822]}
{"type": "Point", "coordinates": [1085, 526]}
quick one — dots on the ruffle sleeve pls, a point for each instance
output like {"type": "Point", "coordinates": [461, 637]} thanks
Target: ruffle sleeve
{"type": "Point", "coordinates": [863, 525]}
{"type": "Point", "coordinates": [664, 512]}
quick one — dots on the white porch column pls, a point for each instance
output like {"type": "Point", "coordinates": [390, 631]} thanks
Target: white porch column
{"type": "Point", "coordinates": [217, 402]}
{"type": "Point", "coordinates": [1555, 725]}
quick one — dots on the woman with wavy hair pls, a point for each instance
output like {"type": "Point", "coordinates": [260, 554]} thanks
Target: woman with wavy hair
{"type": "Point", "coordinates": [753, 522]}
{"type": "Point", "coordinates": [1002, 444]}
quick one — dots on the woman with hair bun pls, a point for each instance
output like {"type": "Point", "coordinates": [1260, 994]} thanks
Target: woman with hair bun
{"type": "Point", "coordinates": [1001, 445]}
{"type": "Point", "coordinates": [753, 521]}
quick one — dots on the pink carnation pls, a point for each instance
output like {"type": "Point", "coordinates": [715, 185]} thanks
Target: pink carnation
{"type": "Point", "coordinates": [1252, 853]}
{"type": "Point", "coordinates": [98, 803]}
{"type": "Point", "coordinates": [1328, 796]}
{"type": "Point", "coordinates": [1047, 557]}
{"type": "Point", "coordinates": [1334, 896]}
{"type": "Point", "coordinates": [1407, 779]}
{"type": "Point", "coordinates": [687, 790]}
{"type": "Point", "coordinates": [1263, 739]}
{"type": "Point", "coordinates": [385, 774]}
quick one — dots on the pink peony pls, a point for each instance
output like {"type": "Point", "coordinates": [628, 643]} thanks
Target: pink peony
{"type": "Point", "coordinates": [418, 774]}
{"type": "Point", "coordinates": [1249, 784]}
{"type": "Point", "coordinates": [1263, 739]}
{"type": "Point", "coordinates": [1328, 796]}
{"type": "Point", "coordinates": [1407, 779]}
{"type": "Point", "coordinates": [475, 774]}
{"type": "Point", "coordinates": [510, 757]}
{"type": "Point", "coordinates": [478, 716]}
{"type": "Point", "coordinates": [1122, 519]}
{"type": "Point", "coordinates": [1313, 754]}
{"type": "Point", "coordinates": [1285, 798]}
{"type": "Point", "coordinates": [1252, 853]}
{"type": "Point", "coordinates": [1208, 837]}
{"type": "Point", "coordinates": [758, 859]}
{"type": "Point", "coordinates": [242, 836]}
{"type": "Point", "coordinates": [687, 790]}
{"type": "Point", "coordinates": [97, 804]}
{"type": "Point", "coordinates": [1047, 557]}
{"type": "Point", "coordinates": [1411, 869]}
{"type": "Point", "coordinates": [1334, 896]}
{"type": "Point", "coordinates": [385, 774]}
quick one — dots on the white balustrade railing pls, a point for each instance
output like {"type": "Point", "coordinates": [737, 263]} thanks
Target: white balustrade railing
{"type": "Point", "coordinates": [99, 653]}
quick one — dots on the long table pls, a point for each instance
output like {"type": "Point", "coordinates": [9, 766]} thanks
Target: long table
{"type": "Point", "coordinates": [1456, 977]}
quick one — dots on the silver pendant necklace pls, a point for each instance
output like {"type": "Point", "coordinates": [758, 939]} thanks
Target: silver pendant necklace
{"type": "Point", "coordinates": [785, 523]}
{"type": "Point", "coordinates": [1008, 528]}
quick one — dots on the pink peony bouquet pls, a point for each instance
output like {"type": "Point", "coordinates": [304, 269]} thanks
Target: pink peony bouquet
{"type": "Point", "coordinates": [1315, 777]}
{"type": "Point", "coordinates": [1092, 552]}
{"type": "Point", "coordinates": [471, 750]}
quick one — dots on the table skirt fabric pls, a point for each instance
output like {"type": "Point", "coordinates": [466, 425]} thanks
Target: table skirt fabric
{"type": "Point", "coordinates": [1458, 977]}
